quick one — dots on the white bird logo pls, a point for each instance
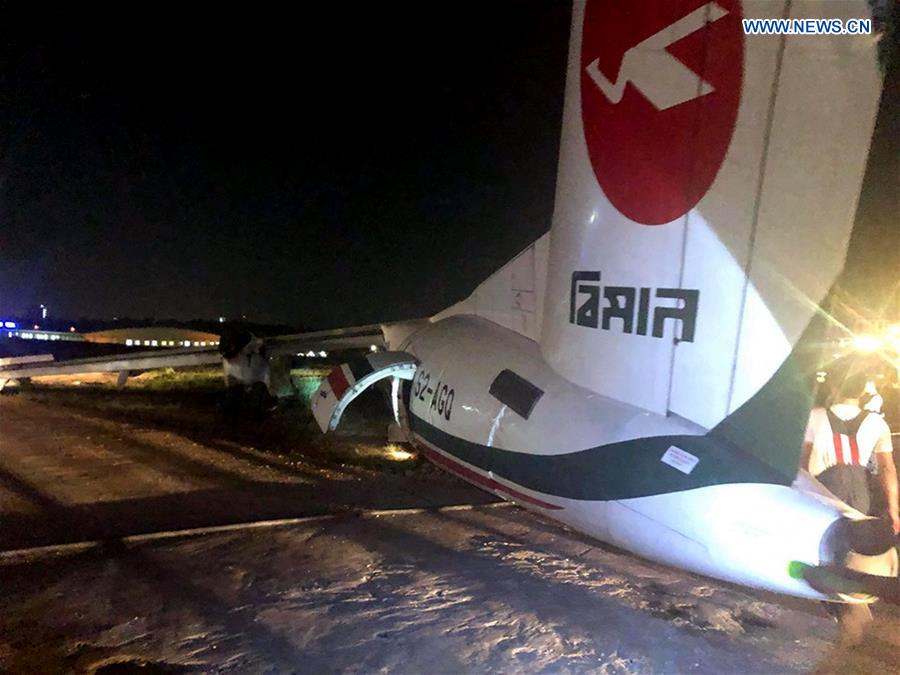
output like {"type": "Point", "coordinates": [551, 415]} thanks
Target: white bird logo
{"type": "Point", "coordinates": [659, 76]}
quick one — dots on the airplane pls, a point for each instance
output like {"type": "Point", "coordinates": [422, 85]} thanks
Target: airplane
{"type": "Point", "coordinates": [639, 373]}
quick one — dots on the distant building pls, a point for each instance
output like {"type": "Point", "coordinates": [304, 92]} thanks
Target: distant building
{"type": "Point", "coordinates": [8, 329]}
{"type": "Point", "coordinates": [154, 336]}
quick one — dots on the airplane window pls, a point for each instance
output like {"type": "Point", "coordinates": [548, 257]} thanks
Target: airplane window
{"type": "Point", "coordinates": [516, 392]}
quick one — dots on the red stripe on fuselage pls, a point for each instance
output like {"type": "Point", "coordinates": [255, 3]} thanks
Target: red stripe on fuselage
{"type": "Point", "coordinates": [338, 382]}
{"type": "Point", "coordinates": [486, 482]}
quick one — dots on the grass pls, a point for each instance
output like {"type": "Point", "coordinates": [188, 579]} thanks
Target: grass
{"type": "Point", "coordinates": [188, 401]}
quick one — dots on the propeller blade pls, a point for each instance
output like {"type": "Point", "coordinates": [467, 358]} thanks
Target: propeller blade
{"type": "Point", "coordinates": [831, 580]}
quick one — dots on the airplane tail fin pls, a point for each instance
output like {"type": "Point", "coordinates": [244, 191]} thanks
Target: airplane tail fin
{"type": "Point", "coordinates": [708, 181]}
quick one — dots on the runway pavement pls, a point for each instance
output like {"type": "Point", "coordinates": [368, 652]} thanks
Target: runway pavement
{"type": "Point", "coordinates": [170, 553]}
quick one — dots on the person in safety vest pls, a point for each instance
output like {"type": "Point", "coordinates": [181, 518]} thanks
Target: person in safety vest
{"type": "Point", "coordinates": [839, 442]}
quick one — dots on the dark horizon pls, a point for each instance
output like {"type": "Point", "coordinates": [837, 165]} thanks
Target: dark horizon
{"type": "Point", "coordinates": [305, 168]}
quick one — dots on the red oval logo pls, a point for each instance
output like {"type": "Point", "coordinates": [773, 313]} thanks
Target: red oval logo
{"type": "Point", "coordinates": [660, 89]}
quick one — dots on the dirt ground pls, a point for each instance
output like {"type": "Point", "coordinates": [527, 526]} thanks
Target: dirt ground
{"type": "Point", "coordinates": [69, 473]}
{"type": "Point", "coordinates": [351, 587]}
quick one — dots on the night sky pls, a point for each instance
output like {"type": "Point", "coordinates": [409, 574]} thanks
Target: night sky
{"type": "Point", "coordinates": [331, 164]}
{"type": "Point", "coordinates": [326, 165]}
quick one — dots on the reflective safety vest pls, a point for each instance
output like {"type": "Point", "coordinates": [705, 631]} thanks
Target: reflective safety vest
{"type": "Point", "coordinates": [846, 448]}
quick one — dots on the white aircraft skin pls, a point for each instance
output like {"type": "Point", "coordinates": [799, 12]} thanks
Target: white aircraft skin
{"type": "Point", "coordinates": [628, 429]}
{"type": "Point", "coordinates": [746, 533]}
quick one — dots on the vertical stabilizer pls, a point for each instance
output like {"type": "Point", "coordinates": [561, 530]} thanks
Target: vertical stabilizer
{"type": "Point", "coordinates": [707, 186]}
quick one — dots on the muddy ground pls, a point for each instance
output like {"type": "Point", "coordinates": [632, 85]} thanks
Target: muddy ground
{"type": "Point", "coordinates": [351, 588]}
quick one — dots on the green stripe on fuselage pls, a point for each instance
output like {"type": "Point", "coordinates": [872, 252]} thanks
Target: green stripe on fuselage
{"type": "Point", "coordinates": [622, 470]}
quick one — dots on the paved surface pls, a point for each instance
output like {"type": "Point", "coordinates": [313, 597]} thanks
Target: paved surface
{"type": "Point", "coordinates": [486, 589]}
{"type": "Point", "coordinates": [67, 476]}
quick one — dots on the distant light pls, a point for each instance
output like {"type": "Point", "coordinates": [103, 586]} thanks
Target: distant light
{"type": "Point", "coordinates": [71, 329]}
{"type": "Point", "coordinates": [221, 319]}
{"type": "Point", "coordinates": [43, 311]}
{"type": "Point", "coordinates": [129, 342]}
{"type": "Point", "coordinates": [373, 348]}
{"type": "Point", "coordinates": [866, 343]}
{"type": "Point", "coordinates": [9, 324]}
{"type": "Point", "coordinates": [36, 327]}
{"type": "Point", "coordinates": [154, 343]}
{"type": "Point", "coordinates": [310, 353]}
{"type": "Point", "coordinates": [187, 343]}
{"type": "Point", "coordinates": [323, 354]}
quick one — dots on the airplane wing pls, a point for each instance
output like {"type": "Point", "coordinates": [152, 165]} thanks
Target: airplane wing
{"type": "Point", "coordinates": [358, 337]}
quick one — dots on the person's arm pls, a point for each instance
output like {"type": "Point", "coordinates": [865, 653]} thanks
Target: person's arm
{"type": "Point", "coordinates": [805, 455]}
{"type": "Point", "coordinates": [887, 473]}
{"type": "Point", "coordinates": [808, 437]}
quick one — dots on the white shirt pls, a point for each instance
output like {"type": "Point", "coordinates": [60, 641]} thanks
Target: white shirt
{"type": "Point", "coordinates": [873, 437]}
